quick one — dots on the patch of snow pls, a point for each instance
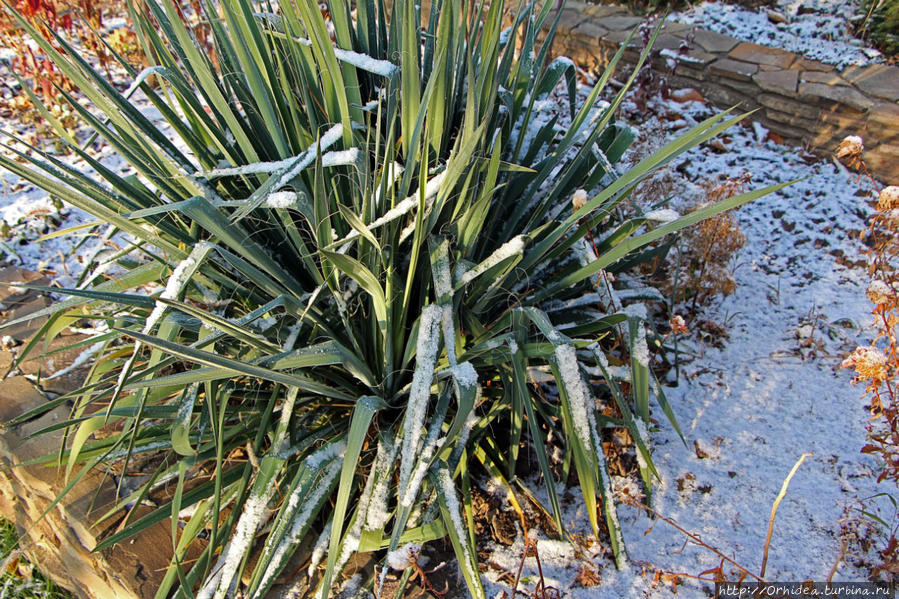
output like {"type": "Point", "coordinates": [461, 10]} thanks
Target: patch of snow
{"type": "Point", "coordinates": [427, 345]}
{"type": "Point", "coordinates": [514, 246]}
{"type": "Point", "coordinates": [662, 215]}
{"type": "Point", "coordinates": [820, 32]}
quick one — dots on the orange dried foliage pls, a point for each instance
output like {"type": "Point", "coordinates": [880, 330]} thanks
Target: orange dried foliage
{"type": "Point", "coordinates": [877, 366]}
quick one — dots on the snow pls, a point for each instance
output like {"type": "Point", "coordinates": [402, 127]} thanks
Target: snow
{"type": "Point", "coordinates": [403, 207]}
{"type": "Point", "coordinates": [448, 489]}
{"type": "Point", "coordinates": [427, 345]}
{"type": "Point", "coordinates": [175, 283]}
{"type": "Point", "coordinates": [639, 348]}
{"type": "Point", "coordinates": [366, 63]}
{"type": "Point", "coordinates": [514, 246]}
{"type": "Point", "coordinates": [79, 361]}
{"type": "Point", "coordinates": [327, 140]}
{"type": "Point", "coordinates": [404, 557]}
{"type": "Point", "coordinates": [819, 31]}
{"type": "Point", "coordinates": [301, 519]}
{"type": "Point", "coordinates": [378, 511]}
{"type": "Point", "coordinates": [662, 215]}
{"type": "Point", "coordinates": [251, 516]}
{"type": "Point", "coordinates": [318, 551]}
{"type": "Point", "coordinates": [281, 199]}
{"type": "Point", "coordinates": [334, 158]}
{"type": "Point", "coordinates": [327, 453]}
{"type": "Point", "coordinates": [464, 374]}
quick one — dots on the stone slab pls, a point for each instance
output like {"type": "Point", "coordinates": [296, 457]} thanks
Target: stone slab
{"type": "Point", "coordinates": [807, 64]}
{"type": "Point", "coordinates": [784, 81]}
{"type": "Point", "coordinates": [721, 95]}
{"type": "Point", "coordinates": [879, 80]}
{"type": "Point", "coordinates": [621, 23]}
{"type": "Point", "coordinates": [885, 114]}
{"type": "Point", "coordinates": [831, 94]}
{"type": "Point", "coordinates": [789, 105]}
{"type": "Point", "coordinates": [619, 37]}
{"type": "Point", "coordinates": [758, 54]}
{"type": "Point", "coordinates": [813, 103]}
{"type": "Point", "coordinates": [734, 69]}
{"type": "Point", "coordinates": [695, 56]}
{"type": "Point", "coordinates": [590, 30]}
{"type": "Point", "coordinates": [601, 11]}
{"type": "Point", "coordinates": [711, 41]}
{"type": "Point", "coordinates": [747, 88]}
{"type": "Point", "coordinates": [787, 125]}
{"type": "Point", "coordinates": [570, 19]}
{"type": "Point", "coordinates": [676, 29]}
{"type": "Point", "coordinates": [667, 41]}
{"type": "Point", "coordinates": [827, 78]}
{"type": "Point", "coordinates": [62, 542]}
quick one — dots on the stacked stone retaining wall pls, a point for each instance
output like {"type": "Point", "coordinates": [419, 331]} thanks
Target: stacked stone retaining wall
{"type": "Point", "coordinates": [804, 101]}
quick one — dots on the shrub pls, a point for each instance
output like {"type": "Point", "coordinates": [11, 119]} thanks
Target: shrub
{"type": "Point", "coordinates": [881, 25]}
{"type": "Point", "coordinates": [361, 245]}
{"type": "Point", "coordinates": [704, 265]}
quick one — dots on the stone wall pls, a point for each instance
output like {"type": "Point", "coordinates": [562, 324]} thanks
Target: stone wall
{"type": "Point", "coordinates": [804, 101]}
{"type": "Point", "coordinates": [62, 542]}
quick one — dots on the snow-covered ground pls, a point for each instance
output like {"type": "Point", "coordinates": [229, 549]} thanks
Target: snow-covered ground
{"type": "Point", "coordinates": [818, 29]}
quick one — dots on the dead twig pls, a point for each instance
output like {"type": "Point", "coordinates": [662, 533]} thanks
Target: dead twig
{"type": "Point", "coordinates": [777, 500]}
{"type": "Point", "coordinates": [693, 537]}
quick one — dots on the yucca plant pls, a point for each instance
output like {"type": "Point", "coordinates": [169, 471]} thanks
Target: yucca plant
{"type": "Point", "coordinates": [363, 241]}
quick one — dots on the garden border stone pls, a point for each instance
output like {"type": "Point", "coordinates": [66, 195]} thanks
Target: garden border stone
{"type": "Point", "coordinates": [62, 542]}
